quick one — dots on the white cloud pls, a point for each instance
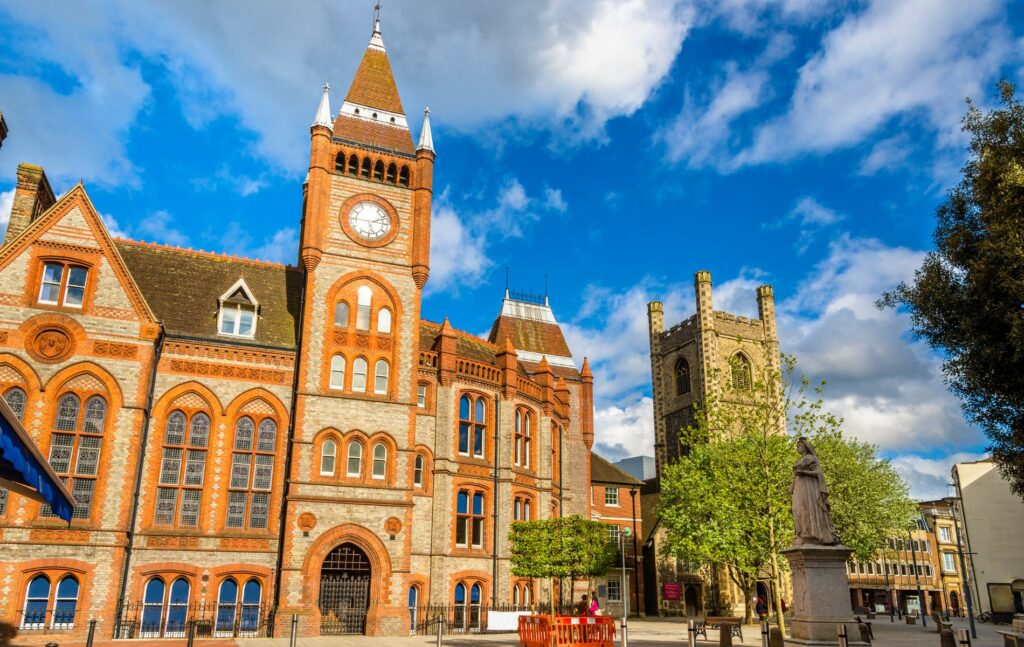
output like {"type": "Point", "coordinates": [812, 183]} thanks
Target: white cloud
{"type": "Point", "coordinates": [554, 201]}
{"type": "Point", "coordinates": [457, 255]}
{"type": "Point", "coordinates": [555, 64]}
{"type": "Point", "coordinates": [812, 217]}
{"type": "Point", "coordinates": [929, 476]}
{"type": "Point", "coordinates": [917, 58]}
{"type": "Point", "coordinates": [113, 227]}
{"type": "Point", "coordinates": [6, 203]}
{"type": "Point", "coordinates": [886, 155]}
{"type": "Point", "coordinates": [159, 227]}
{"type": "Point", "coordinates": [625, 431]}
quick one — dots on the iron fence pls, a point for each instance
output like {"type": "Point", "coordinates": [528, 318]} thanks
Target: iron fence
{"type": "Point", "coordinates": [456, 619]}
{"type": "Point", "coordinates": [205, 619]}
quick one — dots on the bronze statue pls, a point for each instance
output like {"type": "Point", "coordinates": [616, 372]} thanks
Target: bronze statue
{"type": "Point", "coordinates": [812, 515]}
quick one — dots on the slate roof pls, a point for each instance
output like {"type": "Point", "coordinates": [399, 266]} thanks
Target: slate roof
{"type": "Point", "coordinates": [182, 288]}
{"type": "Point", "coordinates": [601, 471]}
{"type": "Point", "coordinates": [468, 346]}
{"type": "Point", "coordinates": [530, 335]}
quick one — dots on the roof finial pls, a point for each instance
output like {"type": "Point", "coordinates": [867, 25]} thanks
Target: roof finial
{"type": "Point", "coordinates": [376, 41]}
{"type": "Point", "coordinates": [426, 138]}
{"type": "Point", "coordinates": [323, 111]}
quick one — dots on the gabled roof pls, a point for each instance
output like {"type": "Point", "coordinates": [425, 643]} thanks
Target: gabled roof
{"type": "Point", "coordinates": [184, 287]}
{"type": "Point", "coordinates": [601, 471]}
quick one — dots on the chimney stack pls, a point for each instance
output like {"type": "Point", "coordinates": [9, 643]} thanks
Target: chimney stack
{"type": "Point", "coordinates": [32, 196]}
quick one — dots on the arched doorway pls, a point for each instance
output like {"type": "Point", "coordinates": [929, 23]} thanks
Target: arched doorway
{"type": "Point", "coordinates": [954, 603]}
{"type": "Point", "coordinates": [344, 591]}
{"type": "Point", "coordinates": [690, 599]}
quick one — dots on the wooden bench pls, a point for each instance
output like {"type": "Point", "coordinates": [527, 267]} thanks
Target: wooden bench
{"type": "Point", "coordinates": [733, 623]}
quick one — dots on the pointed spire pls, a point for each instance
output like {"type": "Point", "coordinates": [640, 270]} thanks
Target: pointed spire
{"type": "Point", "coordinates": [507, 348]}
{"type": "Point", "coordinates": [585, 371]}
{"type": "Point", "coordinates": [426, 138]}
{"type": "Point", "coordinates": [323, 111]}
{"type": "Point", "coordinates": [376, 42]}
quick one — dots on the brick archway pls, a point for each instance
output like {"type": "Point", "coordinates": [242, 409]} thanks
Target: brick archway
{"type": "Point", "coordinates": [380, 563]}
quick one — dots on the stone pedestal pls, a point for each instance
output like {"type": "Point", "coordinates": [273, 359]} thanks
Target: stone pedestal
{"type": "Point", "coordinates": [821, 596]}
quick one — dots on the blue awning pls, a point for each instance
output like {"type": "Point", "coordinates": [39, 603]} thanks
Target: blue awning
{"type": "Point", "coordinates": [23, 469]}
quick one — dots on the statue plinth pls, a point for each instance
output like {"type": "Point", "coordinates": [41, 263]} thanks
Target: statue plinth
{"type": "Point", "coordinates": [821, 595]}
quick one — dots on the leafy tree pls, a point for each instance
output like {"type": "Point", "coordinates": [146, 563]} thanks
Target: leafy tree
{"type": "Point", "coordinates": [728, 500]}
{"type": "Point", "coordinates": [966, 298]}
{"type": "Point", "coordinates": [563, 547]}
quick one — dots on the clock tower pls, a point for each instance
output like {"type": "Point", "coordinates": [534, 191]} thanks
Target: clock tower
{"type": "Point", "coordinates": [365, 246]}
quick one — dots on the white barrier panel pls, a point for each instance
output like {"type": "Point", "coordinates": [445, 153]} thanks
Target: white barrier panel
{"type": "Point", "coordinates": [504, 620]}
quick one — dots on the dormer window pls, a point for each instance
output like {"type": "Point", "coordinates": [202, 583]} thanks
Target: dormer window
{"type": "Point", "coordinates": [238, 310]}
{"type": "Point", "coordinates": [63, 284]}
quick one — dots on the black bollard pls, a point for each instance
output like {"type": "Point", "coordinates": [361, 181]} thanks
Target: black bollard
{"type": "Point", "coordinates": [764, 634]}
{"type": "Point", "coordinates": [92, 632]}
{"type": "Point", "coordinates": [691, 631]}
{"type": "Point", "coordinates": [295, 629]}
{"type": "Point", "coordinates": [191, 632]}
{"type": "Point", "coordinates": [438, 631]}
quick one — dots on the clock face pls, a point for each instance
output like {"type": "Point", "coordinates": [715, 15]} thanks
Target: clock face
{"type": "Point", "coordinates": [369, 220]}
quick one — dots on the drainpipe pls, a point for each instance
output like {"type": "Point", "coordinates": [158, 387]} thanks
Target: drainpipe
{"type": "Point", "coordinates": [636, 565]}
{"type": "Point", "coordinates": [130, 540]}
{"type": "Point", "coordinates": [288, 443]}
{"type": "Point", "coordinates": [494, 513]}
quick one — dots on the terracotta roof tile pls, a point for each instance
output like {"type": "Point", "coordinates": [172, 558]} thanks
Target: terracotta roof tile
{"type": "Point", "coordinates": [467, 345]}
{"type": "Point", "coordinates": [379, 135]}
{"type": "Point", "coordinates": [535, 336]}
{"type": "Point", "coordinates": [374, 84]}
{"type": "Point", "coordinates": [182, 287]}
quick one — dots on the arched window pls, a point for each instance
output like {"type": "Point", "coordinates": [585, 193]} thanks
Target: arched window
{"type": "Point", "coordinates": [526, 510]}
{"type": "Point", "coordinates": [364, 299]}
{"type": "Point", "coordinates": [384, 321]}
{"type": "Point", "coordinates": [252, 597]}
{"type": "Point", "coordinates": [417, 471]}
{"type": "Point", "coordinates": [469, 519]}
{"type": "Point", "coordinates": [741, 378]}
{"type": "Point", "coordinates": [517, 447]}
{"type": "Point", "coordinates": [392, 173]}
{"type": "Point", "coordinates": [328, 453]}
{"type": "Point", "coordinates": [403, 177]}
{"type": "Point", "coordinates": [355, 459]}
{"type": "Point", "coordinates": [339, 162]}
{"type": "Point", "coordinates": [75, 448]}
{"type": "Point", "coordinates": [378, 171]}
{"type": "Point", "coordinates": [177, 609]}
{"type": "Point", "coordinates": [460, 606]}
{"type": "Point", "coordinates": [517, 509]}
{"type": "Point", "coordinates": [182, 470]}
{"type": "Point", "coordinates": [515, 596]}
{"type": "Point", "coordinates": [227, 599]}
{"type": "Point", "coordinates": [37, 598]}
{"type": "Point", "coordinates": [249, 498]}
{"type": "Point", "coordinates": [341, 314]}
{"type": "Point", "coordinates": [16, 399]}
{"type": "Point", "coordinates": [366, 167]}
{"type": "Point", "coordinates": [682, 376]}
{"type": "Point", "coordinates": [472, 425]}
{"type": "Point", "coordinates": [338, 372]}
{"type": "Point", "coordinates": [380, 461]}
{"type": "Point", "coordinates": [380, 377]}
{"type": "Point", "coordinates": [414, 596]}
{"type": "Point", "coordinates": [359, 375]}
{"type": "Point", "coordinates": [353, 164]}
{"type": "Point", "coordinates": [527, 595]}
{"type": "Point", "coordinates": [474, 606]}
{"type": "Point", "coordinates": [65, 603]}
{"type": "Point", "coordinates": [152, 608]}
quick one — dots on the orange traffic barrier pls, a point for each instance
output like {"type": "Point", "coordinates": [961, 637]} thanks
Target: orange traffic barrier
{"type": "Point", "coordinates": [586, 631]}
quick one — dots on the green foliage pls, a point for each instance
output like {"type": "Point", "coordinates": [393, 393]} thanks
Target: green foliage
{"type": "Point", "coordinates": [571, 547]}
{"type": "Point", "coordinates": [966, 297]}
{"type": "Point", "coordinates": [729, 500]}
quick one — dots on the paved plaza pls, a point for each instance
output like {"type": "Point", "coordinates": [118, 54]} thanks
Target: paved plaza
{"type": "Point", "coordinates": [648, 632]}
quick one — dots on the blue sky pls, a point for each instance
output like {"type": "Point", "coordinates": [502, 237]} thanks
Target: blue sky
{"type": "Point", "coordinates": [612, 147]}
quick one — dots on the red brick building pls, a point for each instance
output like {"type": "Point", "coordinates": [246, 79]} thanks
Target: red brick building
{"type": "Point", "coordinates": [248, 440]}
{"type": "Point", "coordinates": [615, 501]}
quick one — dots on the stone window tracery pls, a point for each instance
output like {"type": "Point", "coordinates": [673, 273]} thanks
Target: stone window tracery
{"type": "Point", "coordinates": [252, 473]}
{"type": "Point", "coordinates": [741, 372]}
{"type": "Point", "coordinates": [472, 425]}
{"type": "Point", "coordinates": [75, 448]}
{"type": "Point", "coordinates": [682, 377]}
{"type": "Point", "coordinates": [182, 470]}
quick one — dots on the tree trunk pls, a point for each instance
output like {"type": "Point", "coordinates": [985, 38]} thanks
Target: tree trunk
{"type": "Point", "coordinates": [777, 580]}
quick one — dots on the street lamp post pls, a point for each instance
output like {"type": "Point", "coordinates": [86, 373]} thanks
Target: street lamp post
{"type": "Point", "coordinates": [963, 567]}
{"type": "Point", "coordinates": [623, 536]}
{"type": "Point", "coordinates": [888, 592]}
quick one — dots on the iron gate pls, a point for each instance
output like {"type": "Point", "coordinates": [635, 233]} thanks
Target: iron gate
{"type": "Point", "coordinates": [344, 591]}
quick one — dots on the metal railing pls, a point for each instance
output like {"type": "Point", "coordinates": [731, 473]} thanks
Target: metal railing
{"type": "Point", "coordinates": [202, 619]}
